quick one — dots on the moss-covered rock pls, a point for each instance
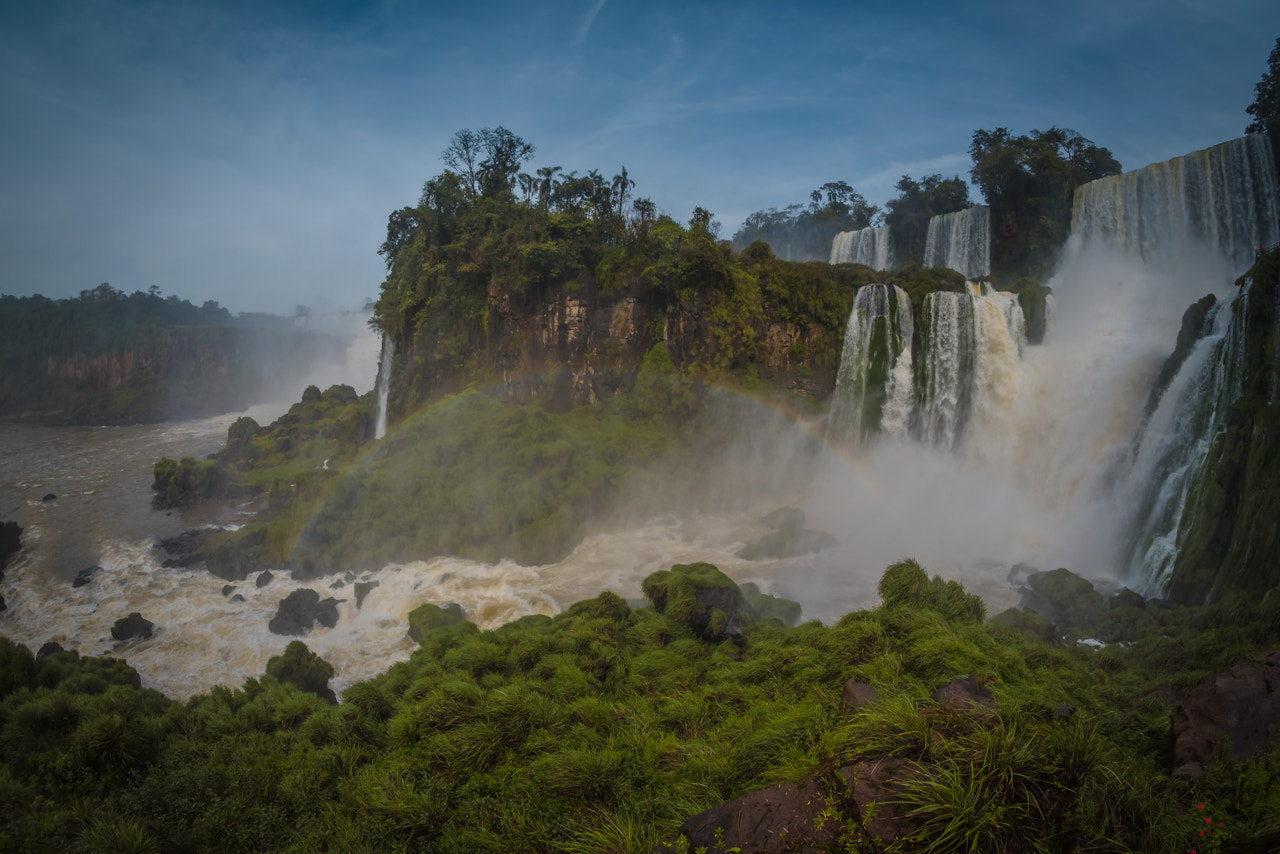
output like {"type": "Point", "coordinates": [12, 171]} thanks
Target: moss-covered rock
{"type": "Point", "coordinates": [1062, 597]}
{"type": "Point", "coordinates": [427, 617]}
{"type": "Point", "coordinates": [1027, 621]}
{"type": "Point", "coordinates": [701, 598]}
{"type": "Point", "coordinates": [789, 537]}
{"type": "Point", "coordinates": [302, 668]}
{"type": "Point", "coordinates": [765, 606]}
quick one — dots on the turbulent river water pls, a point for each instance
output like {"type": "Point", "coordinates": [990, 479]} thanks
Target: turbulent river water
{"type": "Point", "coordinates": [101, 477]}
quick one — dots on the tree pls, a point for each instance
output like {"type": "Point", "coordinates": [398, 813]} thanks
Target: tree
{"type": "Point", "coordinates": [462, 155]}
{"type": "Point", "coordinates": [1030, 182]}
{"type": "Point", "coordinates": [917, 203]}
{"type": "Point", "coordinates": [504, 154]}
{"type": "Point", "coordinates": [799, 234]}
{"type": "Point", "coordinates": [548, 184]}
{"type": "Point", "coordinates": [1265, 108]}
{"type": "Point", "coordinates": [621, 186]}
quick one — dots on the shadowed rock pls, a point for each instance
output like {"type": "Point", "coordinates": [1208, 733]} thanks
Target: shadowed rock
{"type": "Point", "coordinates": [1240, 707]}
{"type": "Point", "coordinates": [10, 543]}
{"type": "Point", "coordinates": [264, 578]}
{"type": "Point", "coordinates": [86, 575]}
{"type": "Point", "coordinates": [858, 694]}
{"type": "Point", "coordinates": [362, 589]}
{"type": "Point", "coordinates": [302, 609]}
{"type": "Point", "coordinates": [132, 627]}
{"type": "Point", "coordinates": [1062, 597]}
{"type": "Point", "coordinates": [238, 560]}
{"type": "Point", "coordinates": [789, 537]}
{"type": "Point", "coordinates": [963, 695]}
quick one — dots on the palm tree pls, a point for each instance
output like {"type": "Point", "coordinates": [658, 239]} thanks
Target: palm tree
{"type": "Point", "coordinates": [621, 185]}
{"type": "Point", "coordinates": [528, 185]}
{"type": "Point", "coordinates": [548, 185]}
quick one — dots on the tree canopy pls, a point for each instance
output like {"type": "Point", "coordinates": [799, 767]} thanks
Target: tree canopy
{"type": "Point", "coordinates": [917, 202]}
{"type": "Point", "coordinates": [804, 233]}
{"type": "Point", "coordinates": [1265, 108]}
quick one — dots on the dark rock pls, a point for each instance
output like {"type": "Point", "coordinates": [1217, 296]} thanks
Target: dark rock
{"type": "Point", "coordinates": [1063, 713]}
{"type": "Point", "coordinates": [789, 538]}
{"type": "Point", "coordinates": [264, 578]}
{"type": "Point", "coordinates": [49, 497]}
{"type": "Point", "coordinates": [858, 694]}
{"type": "Point", "coordinates": [1026, 621]}
{"type": "Point", "coordinates": [1126, 598]}
{"type": "Point", "coordinates": [964, 694]}
{"type": "Point", "coordinates": [132, 626]}
{"type": "Point", "coordinates": [1239, 708]}
{"type": "Point", "coordinates": [338, 585]}
{"type": "Point", "coordinates": [86, 575]}
{"type": "Point", "coordinates": [1062, 597]}
{"type": "Point", "coordinates": [424, 618]}
{"type": "Point", "coordinates": [775, 820]}
{"type": "Point", "coordinates": [185, 549]}
{"type": "Point", "coordinates": [237, 598]}
{"type": "Point", "coordinates": [228, 589]}
{"type": "Point", "coordinates": [49, 649]}
{"type": "Point", "coordinates": [1020, 572]}
{"type": "Point", "coordinates": [809, 817]}
{"type": "Point", "coordinates": [237, 560]}
{"type": "Point", "coordinates": [300, 610]}
{"type": "Point", "coordinates": [3, 606]}
{"type": "Point", "coordinates": [10, 543]}
{"type": "Point", "coordinates": [362, 590]}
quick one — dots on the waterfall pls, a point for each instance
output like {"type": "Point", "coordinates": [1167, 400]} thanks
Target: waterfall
{"type": "Point", "coordinates": [870, 246]}
{"type": "Point", "coordinates": [1224, 197]}
{"type": "Point", "coordinates": [873, 385]}
{"type": "Point", "coordinates": [1171, 446]}
{"type": "Point", "coordinates": [384, 385]}
{"type": "Point", "coordinates": [961, 241]}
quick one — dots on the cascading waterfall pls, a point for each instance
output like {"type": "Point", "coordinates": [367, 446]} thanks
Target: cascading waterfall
{"type": "Point", "coordinates": [1171, 446]}
{"type": "Point", "coordinates": [873, 385]}
{"type": "Point", "coordinates": [961, 241]}
{"type": "Point", "coordinates": [972, 342]}
{"type": "Point", "coordinates": [384, 385]}
{"type": "Point", "coordinates": [1224, 197]}
{"type": "Point", "coordinates": [870, 246]}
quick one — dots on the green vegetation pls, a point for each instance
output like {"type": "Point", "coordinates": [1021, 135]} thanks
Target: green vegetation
{"type": "Point", "coordinates": [603, 728]}
{"type": "Point", "coordinates": [1030, 182]}
{"type": "Point", "coordinates": [798, 233]}
{"type": "Point", "coordinates": [917, 202]}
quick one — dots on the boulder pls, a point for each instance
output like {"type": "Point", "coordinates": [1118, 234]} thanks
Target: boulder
{"type": "Point", "coordinates": [49, 496]}
{"type": "Point", "coordinates": [264, 578]}
{"type": "Point", "coordinates": [809, 817]}
{"type": "Point", "coordinates": [700, 597]}
{"type": "Point", "coordinates": [237, 560]}
{"type": "Point", "coordinates": [964, 694]}
{"type": "Point", "coordinates": [424, 618]}
{"type": "Point", "coordinates": [86, 575]}
{"type": "Point", "coordinates": [237, 598]}
{"type": "Point", "coordinates": [1126, 598]}
{"type": "Point", "coordinates": [3, 606]}
{"type": "Point", "coordinates": [185, 549]}
{"type": "Point", "coordinates": [789, 537]}
{"type": "Point", "coordinates": [1239, 708]}
{"type": "Point", "coordinates": [302, 609]}
{"type": "Point", "coordinates": [766, 606]}
{"type": "Point", "coordinates": [858, 694]}
{"type": "Point", "coordinates": [1062, 597]}
{"type": "Point", "coordinates": [49, 649]}
{"type": "Point", "coordinates": [10, 543]}
{"type": "Point", "coordinates": [228, 589]}
{"type": "Point", "coordinates": [131, 627]}
{"type": "Point", "coordinates": [775, 820]}
{"type": "Point", "coordinates": [362, 590]}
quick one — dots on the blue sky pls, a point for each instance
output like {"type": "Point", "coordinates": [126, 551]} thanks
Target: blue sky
{"type": "Point", "coordinates": [250, 152]}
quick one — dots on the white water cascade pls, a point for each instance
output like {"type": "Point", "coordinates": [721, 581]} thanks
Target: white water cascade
{"type": "Point", "coordinates": [873, 385]}
{"type": "Point", "coordinates": [384, 385]}
{"type": "Point", "coordinates": [961, 241]}
{"type": "Point", "coordinates": [870, 246]}
{"type": "Point", "coordinates": [1224, 197]}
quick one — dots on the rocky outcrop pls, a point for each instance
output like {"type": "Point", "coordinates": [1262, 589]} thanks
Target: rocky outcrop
{"type": "Point", "coordinates": [132, 627]}
{"type": "Point", "coordinates": [1062, 597]}
{"type": "Point", "coordinates": [236, 561]}
{"type": "Point", "coordinates": [426, 617]}
{"type": "Point", "coordinates": [1239, 709]}
{"type": "Point", "coordinates": [966, 694]}
{"type": "Point", "coordinates": [788, 537]}
{"type": "Point", "coordinates": [857, 694]}
{"type": "Point", "coordinates": [86, 575]}
{"type": "Point", "coordinates": [816, 815]}
{"type": "Point", "coordinates": [186, 548]}
{"type": "Point", "coordinates": [10, 543]}
{"type": "Point", "coordinates": [700, 597]}
{"type": "Point", "coordinates": [301, 610]}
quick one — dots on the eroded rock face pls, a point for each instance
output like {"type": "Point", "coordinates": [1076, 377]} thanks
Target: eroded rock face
{"type": "Point", "coordinates": [1241, 706]}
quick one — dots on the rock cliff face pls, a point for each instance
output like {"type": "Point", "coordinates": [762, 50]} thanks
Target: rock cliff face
{"type": "Point", "coordinates": [581, 346]}
{"type": "Point", "coordinates": [1229, 536]}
